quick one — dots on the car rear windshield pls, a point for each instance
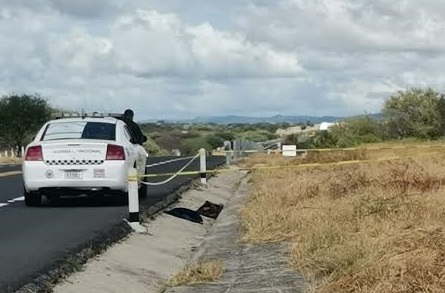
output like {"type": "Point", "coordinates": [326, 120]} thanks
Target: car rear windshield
{"type": "Point", "coordinates": [80, 130]}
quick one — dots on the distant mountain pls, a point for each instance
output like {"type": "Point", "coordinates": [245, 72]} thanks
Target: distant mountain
{"type": "Point", "coordinates": [233, 119]}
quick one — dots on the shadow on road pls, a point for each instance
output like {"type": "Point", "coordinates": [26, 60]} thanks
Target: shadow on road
{"type": "Point", "coordinates": [86, 201]}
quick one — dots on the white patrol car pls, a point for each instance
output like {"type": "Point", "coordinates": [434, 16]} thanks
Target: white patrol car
{"type": "Point", "coordinates": [81, 155]}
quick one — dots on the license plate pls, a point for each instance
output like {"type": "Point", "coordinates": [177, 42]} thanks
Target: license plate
{"type": "Point", "coordinates": [73, 175]}
{"type": "Point", "coordinates": [99, 173]}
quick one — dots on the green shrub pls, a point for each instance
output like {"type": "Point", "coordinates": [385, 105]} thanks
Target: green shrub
{"type": "Point", "coordinates": [226, 135]}
{"type": "Point", "coordinates": [154, 149]}
{"type": "Point", "coordinates": [215, 141]}
{"type": "Point", "coordinates": [257, 137]}
{"type": "Point", "coordinates": [414, 113]}
{"type": "Point", "coordinates": [192, 145]}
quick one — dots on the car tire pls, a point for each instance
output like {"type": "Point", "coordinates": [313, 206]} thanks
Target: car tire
{"type": "Point", "coordinates": [54, 199]}
{"type": "Point", "coordinates": [33, 199]}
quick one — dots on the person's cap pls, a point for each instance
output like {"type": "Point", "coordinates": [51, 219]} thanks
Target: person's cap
{"type": "Point", "coordinates": [129, 112]}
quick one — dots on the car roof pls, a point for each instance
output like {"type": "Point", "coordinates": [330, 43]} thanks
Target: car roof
{"type": "Point", "coordinates": [111, 120]}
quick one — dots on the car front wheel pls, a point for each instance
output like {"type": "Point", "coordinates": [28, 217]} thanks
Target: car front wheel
{"type": "Point", "coordinates": [32, 199]}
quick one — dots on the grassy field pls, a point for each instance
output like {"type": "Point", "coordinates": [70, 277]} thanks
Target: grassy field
{"type": "Point", "coordinates": [364, 227]}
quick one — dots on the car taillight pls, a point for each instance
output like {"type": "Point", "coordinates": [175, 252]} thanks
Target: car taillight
{"type": "Point", "coordinates": [34, 153]}
{"type": "Point", "coordinates": [115, 152]}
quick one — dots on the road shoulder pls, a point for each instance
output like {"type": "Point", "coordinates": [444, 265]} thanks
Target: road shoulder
{"type": "Point", "coordinates": [143, 262]}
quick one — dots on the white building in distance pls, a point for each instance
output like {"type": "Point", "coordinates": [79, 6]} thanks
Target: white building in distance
{"type": "Point", "coordinates": [326, 125]}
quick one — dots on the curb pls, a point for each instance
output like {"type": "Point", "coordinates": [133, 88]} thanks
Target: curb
{"type": "Point", "coordinates": [200, 249]}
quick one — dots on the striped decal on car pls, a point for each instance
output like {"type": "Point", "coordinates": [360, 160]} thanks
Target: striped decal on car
{"type": "Point", "coordinates": [74, 162]}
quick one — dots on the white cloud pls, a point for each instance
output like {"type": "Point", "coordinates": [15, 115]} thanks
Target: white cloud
{"type": "Point", "coordinates": [347, 25]}
{"type": "Point", "coordinates": [148, 43]}
{"type": "Point", "coordinates": [232, 55]}
{"type": "Point", "coordinates": [85, 8]}
{"type": "Point", "coordinates": [78, 50]}
{"type": "Point", "coordinates": [358, 51]}
{"type": "Point", "coordinates": [165, 59]}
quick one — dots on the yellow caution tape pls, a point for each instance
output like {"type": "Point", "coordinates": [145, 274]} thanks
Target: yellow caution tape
{"type": "Point", "coordinates": [377, 148]}
{"type": "Point", "coordinates": [308, 165]}
{"type": "Point", "coordinates": [341, 149]}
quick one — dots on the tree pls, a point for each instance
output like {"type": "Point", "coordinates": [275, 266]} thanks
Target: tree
{"type": "Point", "coordinates": [413, 113]}
{"type": "Point", "coordinates": [441, 113]}
{"type": "Point", "coordinates": [169, 140]}
{"type": "Point", "coordinates": [324, 139]}
{"type": "Point", "coordinates": [190, 146]}
{"type": "Point", "coordinates": [153, 149]}
{"type": "Point", "coordinates": [215, 141]}
{"type": "Point", "coordinates": [226, 135]}
{"type": "Point", "coordinates": [357, 130]}
{"type": "Point", "coordinates": [21, 116]}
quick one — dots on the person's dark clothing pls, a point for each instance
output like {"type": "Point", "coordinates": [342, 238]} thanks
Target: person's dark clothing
{"type": "Point", "coordinates": [135, 130]}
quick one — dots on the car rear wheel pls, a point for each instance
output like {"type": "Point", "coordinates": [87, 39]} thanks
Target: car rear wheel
{"type": "Point", "coordinates": [54, 199]}
{"type": "Point", "coordinates": [33, 199]}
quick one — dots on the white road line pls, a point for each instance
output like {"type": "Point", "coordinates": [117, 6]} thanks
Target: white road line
{"type": "Point", "coordinates": [169, 161]}
{"type": "Point", "coordinates": [10, 173]}
{"type": "Point", "coordinates": [22, 198]}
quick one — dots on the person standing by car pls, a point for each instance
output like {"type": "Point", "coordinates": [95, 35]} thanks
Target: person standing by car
{"type": "Point", "coordinates": [134, 127]}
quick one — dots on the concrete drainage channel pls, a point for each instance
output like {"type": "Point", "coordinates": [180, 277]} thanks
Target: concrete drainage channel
{"type": "Point", "coordinates": [74, 261]}
{"type": "Point", "coordinates": [149, 262]}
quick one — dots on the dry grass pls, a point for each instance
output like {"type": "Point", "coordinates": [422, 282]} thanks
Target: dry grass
{"type": "Point", "coordinates": [197, 273]}
{"type": "Point", "coordinates": [310, 157]}
{"type": "Point", "coordinates": [369, 227]}
{"type": "Point", "coordinates": [366, 152]}
{"type": "Point", "coordinates": [405, 142]}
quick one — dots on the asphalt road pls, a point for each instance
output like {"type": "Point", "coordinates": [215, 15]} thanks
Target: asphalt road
{"type": "Point", "coordinates": [32, 240]}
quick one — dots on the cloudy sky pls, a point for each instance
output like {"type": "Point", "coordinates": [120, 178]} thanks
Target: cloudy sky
{"type": "Point", "coordinates": [181, 59]}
